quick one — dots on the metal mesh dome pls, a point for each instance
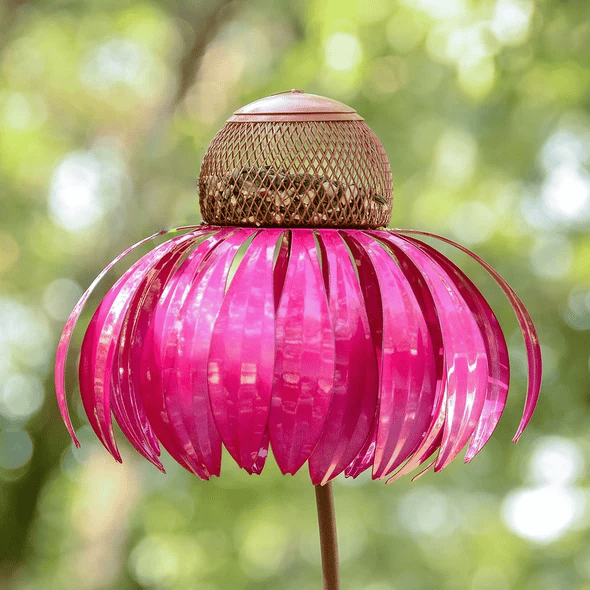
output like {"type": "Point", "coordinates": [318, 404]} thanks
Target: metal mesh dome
{"type": "Point", "coordinates": [294, 160]}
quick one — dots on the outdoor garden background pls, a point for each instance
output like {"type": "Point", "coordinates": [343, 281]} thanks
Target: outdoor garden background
{"type": "Point", "coordinates": [106, 109]}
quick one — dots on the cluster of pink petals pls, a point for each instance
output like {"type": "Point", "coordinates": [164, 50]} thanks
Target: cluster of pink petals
{"type": "Point", "coordinates": [345, 349]}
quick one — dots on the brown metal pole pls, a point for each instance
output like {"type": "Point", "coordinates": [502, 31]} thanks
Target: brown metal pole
{"type": "Point", "coordinates": [328, 539]}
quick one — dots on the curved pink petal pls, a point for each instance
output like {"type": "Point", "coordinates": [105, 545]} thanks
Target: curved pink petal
{"type": "Point", "coordinates": [527, 327]}
{"type": "Point", "coordinates": [177, 402]}
{"type": "Point", "coordinates": [493, 337]}
{"type": "Point", "coordinates": [198, 312]}
{"type": "Point", "coordinates": [86, 371]}
{"type": "Point", "coordinates": [464, 352]}
{"type": "Point", "coordinates": [143, 285]}
{"type": "Point", "coordinates": [356, 379]}
{"type": "Point", "coordinates": [369, 283]}
{"type": "Point", "coordinates": [151, 314]}
{"type": "Point", "coordinates": [242, 352]}
{"type": "Point", "coordinates": [304, 365]}
{"type": "Point", "coordinates": [408, 365]}
{"type": "Point", "coordinates": [62, 349]}
{"type": "Point", "coordinates": [261, 456]}
{"type": "Point", "coordinates": [128, 405]}
{"type": "Point", "coordinates": [100, 342]}
{"type": "Point", "coordinates": [280, 267]}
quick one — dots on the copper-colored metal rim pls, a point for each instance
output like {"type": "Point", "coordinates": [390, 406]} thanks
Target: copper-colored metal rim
{"type": "Point", "coordinates": [294, 105]}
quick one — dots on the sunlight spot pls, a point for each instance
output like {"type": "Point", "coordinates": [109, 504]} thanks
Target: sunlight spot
{"type": "Point", "coordinates": [21, 396]}
{"type": "Point", "coordinates": [16, 448]}
{"type": "Point", "coordinates": [563, 148]}
{"type": "Point", "coordinates": [473, 223]}
{"type": "Point", "coordinates": [162, 561]}
{"type": "Point", "coordinates": [25, 332]}
{"type": "Point", "coordinates": [556, 460]}
{"type": "Point", "coordinates": [440, 9]}
{"type": "Point", "coordinates": [456, 157]}
{"type": "Point", "coordinates": [477, 78]}
{"type": "Point", "coordinates": [469, 45]}
{"type": "Point", "coordinates": [60, 297]}
{"type": "Point", "coordinates": [87, 185]}
{"type": "Point", "coordinates": [543, 514]}
{"type": "Point", "coordinates": [426, 510]}
{"type": "Point", "coordinates": [73, 199]}
{"type": "Point", "coordinates": [23, 111]}
{"type": "Point", "coordinates": [342, 51]}
{"type": "Point", "coordinates": [119, 61]}
{"type": "Point", "coordinates": [263, 549]}
{"type": "Point", "coordinates": [511, 20]}
{"type": "Point", "coordinates": [566, 194]}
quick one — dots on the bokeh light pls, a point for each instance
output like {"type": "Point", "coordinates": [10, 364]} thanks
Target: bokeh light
{"type": "Point", "coordinates": [544, 514]}
{"type": "Point", "coordinates": [556, 461]}
{"type": "Point", "coordinates": [85, 187]}
{"type": "Point", "coordinates": [59, 298]}
{"type": "Point", "coordinates": [16, 448]}
{"type": "Point", "coordinates": [21, 396]}
{"type": "Point", "coordinates": [343, 51]}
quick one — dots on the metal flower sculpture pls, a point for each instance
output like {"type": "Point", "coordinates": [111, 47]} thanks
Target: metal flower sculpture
{"type": "Point", "coordinates": [290, 321]}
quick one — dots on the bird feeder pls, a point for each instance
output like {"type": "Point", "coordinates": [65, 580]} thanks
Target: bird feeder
{"type": "Point", "coordinates": [293, 320]}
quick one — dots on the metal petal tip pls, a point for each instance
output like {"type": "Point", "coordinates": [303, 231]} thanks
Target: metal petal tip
{"type": "Point", "coordinates": [529, 333]}
{"type": "Point", "coordinates": [64, 342]}
{"type": "Point", "coordinates": [99, 415]}
{"type": "Point", "coordinates": [356, 379]}
{"type": "Point", "coordinates": [305, 358]}
{"type": "Point", "coordinates": [242, 353]}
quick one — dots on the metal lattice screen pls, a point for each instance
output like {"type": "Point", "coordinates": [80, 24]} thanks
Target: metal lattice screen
{"type": "Point", "coordinates": [296, 173]}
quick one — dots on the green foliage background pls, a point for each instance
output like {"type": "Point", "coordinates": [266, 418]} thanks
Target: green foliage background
{"type": "Point", "coordinates": [106, 108]}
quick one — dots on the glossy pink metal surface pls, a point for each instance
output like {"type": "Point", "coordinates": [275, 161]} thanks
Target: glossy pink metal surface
{"type": "Point", "coordinates": [305, 358]}
{"type": "Point", "coordinates": [345, 349]}
{"type": "Point", "coordinates": [356, 379]}
{"type": "Point", "coordinates": [242, 353]}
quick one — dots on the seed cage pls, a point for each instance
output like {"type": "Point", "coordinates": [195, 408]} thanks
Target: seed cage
{"type": "Point", "coordinates": [296, 160]}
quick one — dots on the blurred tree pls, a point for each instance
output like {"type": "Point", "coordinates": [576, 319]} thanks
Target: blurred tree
{"type": "Point", "coordinates": [106, 108]}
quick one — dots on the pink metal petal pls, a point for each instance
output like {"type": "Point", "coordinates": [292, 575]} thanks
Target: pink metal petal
{"type": "Point", "coordinates": [497, 352]}
{"type": "Point", "coordinates": [86, 373]}
{"type": "Point", "coordinates": [356, 381]}
{"type": "Point", "coordinates": [431, 435]}
{"type": "Point", "coordinates": [241, 357]}
{"type": "Point", "coordinates": [408, 365]}
{"type": "Point", "coordinates": [261, 457]}
{"type": "Point", "coordinates": [199, 312]}
{"type": "Point", "coordinates": [526, 324]}
{"type": "Point", "coordinates": [464, 350]}
{"type": "Point", "coordinates": [128, 405]}
{"type": "Point", "coordinates": [280, 267]}
{"type": "Point", "coordinates": [128, 298]}
{"type": "Point", "coordinates": [151, 314]}
{"type": "Point", "coordinates": [178, 401]}
{"type": "Point", "coordinates": [304, 365]}
{"type": "Point", "coordinates": [62, 349]}
{"type": "Point", "coordinates": [369, 283]}
{"type": "Point", "coordinates": [431, 442]}
{"type": "Point", "coordinates": [100, 343]}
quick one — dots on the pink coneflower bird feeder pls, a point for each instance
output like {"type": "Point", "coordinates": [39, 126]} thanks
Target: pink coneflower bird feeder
{"type": "Point", "coordinates": [293, 320]}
